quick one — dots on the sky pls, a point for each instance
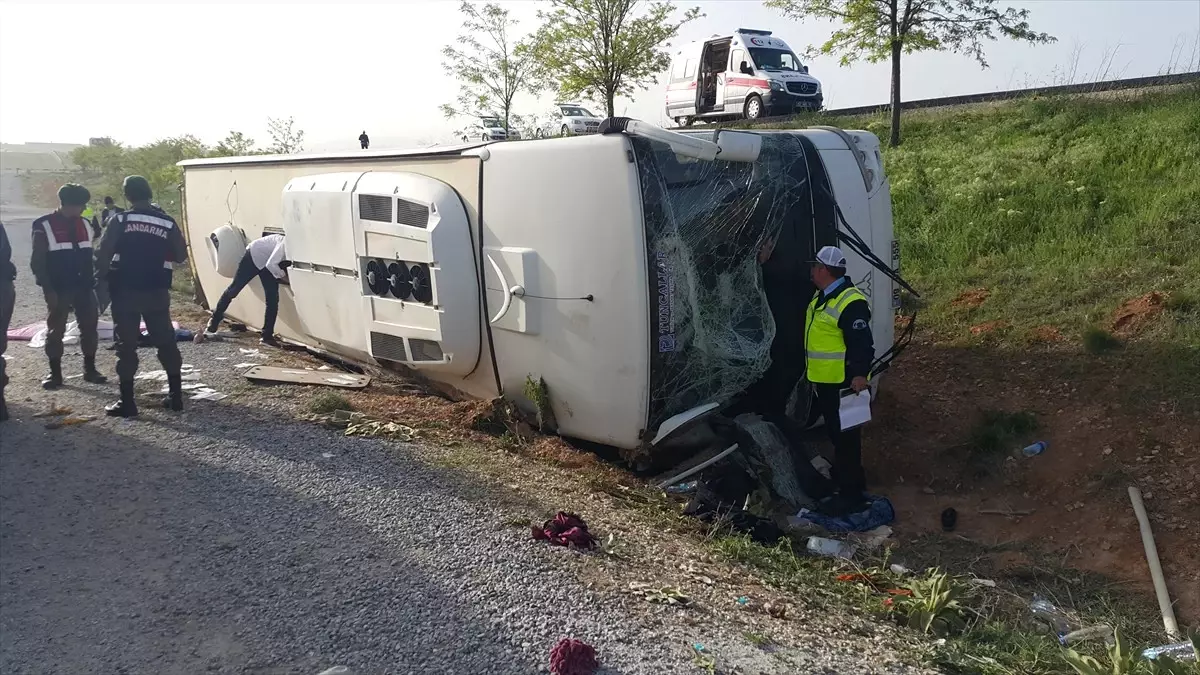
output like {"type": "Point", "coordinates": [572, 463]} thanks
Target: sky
{"type": "Point", "coordinates": [339, 69]}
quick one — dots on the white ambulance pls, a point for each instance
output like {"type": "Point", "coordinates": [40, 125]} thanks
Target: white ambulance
{"type": "Point", "coordinates": [748, 74]}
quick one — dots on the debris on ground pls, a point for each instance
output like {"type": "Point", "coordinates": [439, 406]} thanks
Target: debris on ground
{"type": "Point", "coordinates": [53, 411]}
{"type": "Point", "coordinates": [775, 465]}
{"type": "Point", "coordinates": [949, 519]}
{"type": "Point", "coordinates": [376, 428]}
{"type": "Point", "coordinates": [878, 512]}
{"type": "Point", "coordinates": [870, 539]}
{"type": "Point", "coordinates": [565, 529]}
{"type": "Point", "coordinates": [830, 548]}
{"type": "Point", "coordinates": [69, 421]}
{"type": "Point", "coordinates": [1047, 613]}
{"type": "Point", "coordinates": [359, 424]}
{"type": "Point", "coordinates": [300, 376]}
{"type": "Point", "coordinates": [1180, 651]}
{"type": "Point", "coordinates": [573, 657]}
{"type": "Point", "coordinates": [1102, 632]}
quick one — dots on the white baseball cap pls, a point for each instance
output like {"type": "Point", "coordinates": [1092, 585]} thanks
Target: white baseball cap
{"type": "Point", "coordinates": [831, 256]}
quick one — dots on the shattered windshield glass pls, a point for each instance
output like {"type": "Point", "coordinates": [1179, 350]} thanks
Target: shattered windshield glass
{"type": "Point", "coordinates": [721, 238]}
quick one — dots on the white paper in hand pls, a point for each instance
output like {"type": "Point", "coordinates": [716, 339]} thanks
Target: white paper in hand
{"type": "Point", "coordinates": [855, 409]}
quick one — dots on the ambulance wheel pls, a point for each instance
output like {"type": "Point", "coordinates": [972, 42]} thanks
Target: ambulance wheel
{"type": "Point", "coordinates": [754, 107]}
{"type": "Point", "coordinates": [537, 133]}
{"type": "Point", "coordinates": [564, 131]}
{"type": "Point", "coordinates": [485, 138]}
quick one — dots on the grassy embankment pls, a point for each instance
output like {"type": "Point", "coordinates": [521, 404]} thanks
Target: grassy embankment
{"type": "Point", "coordinates": [1062, 209]}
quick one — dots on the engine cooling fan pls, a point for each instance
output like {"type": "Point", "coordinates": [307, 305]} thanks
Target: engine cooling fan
{"type": "Point", "coordinates": [377, 277]}
{"type": "Point", "coordinates": [422, 284]}
{"type": "Point", "coordinates": [399, 280]}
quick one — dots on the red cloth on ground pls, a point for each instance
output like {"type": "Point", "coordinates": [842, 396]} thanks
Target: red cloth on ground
{"type": "Point", "coordinates": [565, 529]}
{"type": "Point", "coordinates": [572, 657]}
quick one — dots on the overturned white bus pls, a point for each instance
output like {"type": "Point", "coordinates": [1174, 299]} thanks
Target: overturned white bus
{"type": "Point", "coordinates": [627, 269]}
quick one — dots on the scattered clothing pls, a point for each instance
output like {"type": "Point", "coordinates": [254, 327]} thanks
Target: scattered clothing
{"type": "Point", "coordinates": [879, 512]}
{"type": "Point", "coordinates": [565, 529]}
{"type": "Point", "coordinates": [573, 657]}
{"type": "Point", "coordinates": [35, 333]}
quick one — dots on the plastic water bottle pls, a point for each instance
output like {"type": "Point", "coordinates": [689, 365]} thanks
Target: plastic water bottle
{"type": "Point", "coordinates": [830, 548]}
{"type": "Point", "coordinates": [1035, 449]}
{"type": "Point", "coordinates": [1045, 611]}
{"type": "Point", "coordinates": [1181, 651]}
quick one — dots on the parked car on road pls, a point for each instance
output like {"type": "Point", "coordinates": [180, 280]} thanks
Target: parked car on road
{"type": "Point", "coordinates": [569, 119]}
{"type": "Point", "coordinates": [490, 129]}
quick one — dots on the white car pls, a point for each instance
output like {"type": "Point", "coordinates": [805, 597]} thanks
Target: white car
{"type": "Point", "coordinates": [570, 119]}
{"type": "Point", "coordinates": [491, 129]}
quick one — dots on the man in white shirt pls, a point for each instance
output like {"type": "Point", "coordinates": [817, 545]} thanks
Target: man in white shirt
{"type": "Point", "coordinates": [265, 258]}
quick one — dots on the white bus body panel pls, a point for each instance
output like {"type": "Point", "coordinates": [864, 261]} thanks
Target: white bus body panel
{"type": "Point", "coordinates": [577, 203]}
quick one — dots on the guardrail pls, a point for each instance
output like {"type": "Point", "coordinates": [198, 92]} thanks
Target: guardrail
{"type": "Point", "coordinates": [967, 99]}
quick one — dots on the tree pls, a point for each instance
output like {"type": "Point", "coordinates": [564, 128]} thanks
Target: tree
{"type": "Point", "coordinates": [285, 139]}
{"type": "Point", "coordinates": [491, 66]}
{"type": "Point", "coordinates": [236, 144]}
{"type": "Point", "coordinates": [878, 30]}
{"type": "Point", "coordinates": [601, 49]}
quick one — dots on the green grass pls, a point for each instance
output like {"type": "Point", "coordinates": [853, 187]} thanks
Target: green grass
{"type": "Point", "coordinates": [327, 402]}
{"type": "Point", "coordinates": [990, 632]}
{"type": "Point", "coordinates": [1096, 340]}
{"type": "Point", "coordinates": [998, 434]}
{"type": "Point", "coordinates": [1062, 208]}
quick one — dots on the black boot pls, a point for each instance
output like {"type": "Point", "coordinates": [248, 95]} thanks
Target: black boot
{"type": "Point", "coordinates": [3, 408]}
{"type": "Point", "coordinates": [54, 379]}
{"type": "Point", "coordinates": [127, 406]}
{"type": "Point", "coordinates": [174, 399]}
{"type": "Point", "coordinates": [90, 374]}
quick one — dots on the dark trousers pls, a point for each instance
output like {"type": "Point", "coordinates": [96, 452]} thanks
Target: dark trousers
{"type": "Point", "coordinates": [129, 310]}
{"type": "Point", "coordinates": [847, 445]}
{"type": "Point", "coordinates": [8, 299]}
{"type": "Point", "coordinates": [59, 305]}
{"type": "Point", "coordinates": [246, 272]}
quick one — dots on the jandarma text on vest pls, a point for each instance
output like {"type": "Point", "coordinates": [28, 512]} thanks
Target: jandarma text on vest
{"type": "Point", "coordinates": [148, 229]}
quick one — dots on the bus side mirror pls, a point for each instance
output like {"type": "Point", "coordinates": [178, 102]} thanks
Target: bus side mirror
{"type": "Point", "coordinates": [804, 69]}
{"type": "Point", "coordinates": [746, 69]}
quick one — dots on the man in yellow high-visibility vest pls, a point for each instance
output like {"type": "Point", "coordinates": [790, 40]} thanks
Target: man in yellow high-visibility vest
{"type": "Point", "coordinates": [839, 350]}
